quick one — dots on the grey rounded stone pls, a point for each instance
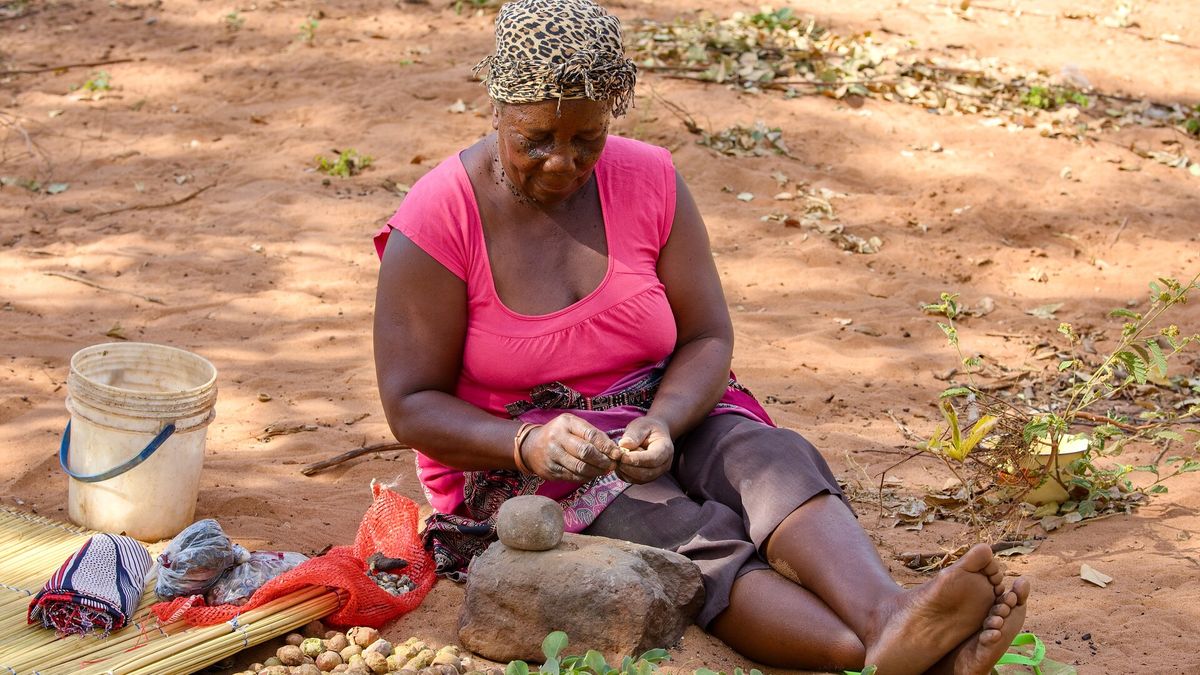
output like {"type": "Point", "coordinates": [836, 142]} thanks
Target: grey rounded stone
{"type": "Point", "coordinates": [530, 523]}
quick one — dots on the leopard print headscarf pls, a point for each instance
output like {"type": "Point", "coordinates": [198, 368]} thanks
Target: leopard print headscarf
{"type": "Point", "coordinates": [554, 49]}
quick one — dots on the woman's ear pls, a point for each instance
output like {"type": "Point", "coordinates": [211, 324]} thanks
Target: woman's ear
{"type": "Point", "coordinates": [495, 115]}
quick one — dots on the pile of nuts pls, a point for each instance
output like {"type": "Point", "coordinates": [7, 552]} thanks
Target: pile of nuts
{"type": "Point", "coordinates": [396, 584]}
{"type": "Point", "coordinates": [360, 651]}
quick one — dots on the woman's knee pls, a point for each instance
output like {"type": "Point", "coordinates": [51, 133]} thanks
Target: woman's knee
{"type": "Point", "coordinates": [845, 651]}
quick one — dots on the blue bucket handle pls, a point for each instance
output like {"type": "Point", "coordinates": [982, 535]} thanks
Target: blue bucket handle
{"type": "Point", "coordinates": [65, 449]}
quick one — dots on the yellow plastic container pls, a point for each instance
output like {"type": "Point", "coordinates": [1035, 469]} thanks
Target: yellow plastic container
{"type": "Point", "coordinates": [1040, 463]}
{"type": "Point", "coordinates": [134, 447]}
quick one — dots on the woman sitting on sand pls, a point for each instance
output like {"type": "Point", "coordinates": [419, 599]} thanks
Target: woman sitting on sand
{"type": "Point", "coordinates": [549, 320]}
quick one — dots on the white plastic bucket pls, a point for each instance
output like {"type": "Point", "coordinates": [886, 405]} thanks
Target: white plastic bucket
{"type": "Point", "coordinates": [135, 444]}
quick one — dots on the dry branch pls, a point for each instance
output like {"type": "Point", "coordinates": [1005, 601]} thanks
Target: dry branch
{"type": "Point", "coordinates": [318, 467]}
{"type": "Point", "coordinates": [941, 559]}
{"type": "Point", "coordinates": [86, 282]}
{"type": "Point", "coordinates": [146, 207]}
{"type": "Point", "coordinates": [65, 66]}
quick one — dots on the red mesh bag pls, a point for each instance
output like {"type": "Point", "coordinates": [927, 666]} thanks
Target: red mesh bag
{"type": "Point", "coordinates": [389, 527]}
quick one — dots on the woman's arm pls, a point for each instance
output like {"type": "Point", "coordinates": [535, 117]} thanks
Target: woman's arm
{"type": "Point", "coordinates": [420, 328]}
{"type": "Point", "coordinates": [698, 373]}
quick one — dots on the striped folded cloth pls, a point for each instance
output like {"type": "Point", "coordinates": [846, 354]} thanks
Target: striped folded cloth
{"type": "Point", "coordinates": [97, 588]}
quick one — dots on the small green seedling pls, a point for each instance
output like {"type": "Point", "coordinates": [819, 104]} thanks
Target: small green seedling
{"type": "Point", "coordinates": [474, 5]}
{"type": "Point", "coordinates": [591, 663]}
{"type": "Point", "coordinates": [98, 82]}
{"type": "Point", "coordinates": [345, 164]}
{"type": "Point", "coordinates": [234, 21]}
{"type": "Point", "coordinates": [1052, 98]}
{"type": "Point", "coordinates": [308, 31]}
{"type": "Point", "coordinates": [1192, 124]}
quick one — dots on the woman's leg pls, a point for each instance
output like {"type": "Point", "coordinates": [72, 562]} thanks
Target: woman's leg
{"type": "Point", "coordinates": [792, 508]}
{"type": "Point", "coordinates": [903, 631]}
{"type": "Point", "coordinates": [759, 613]}
{"type": "Point", "coordinates": [777, 623]}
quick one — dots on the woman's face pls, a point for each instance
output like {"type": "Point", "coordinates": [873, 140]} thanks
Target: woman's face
{"type": "Point", "coordinates": [548, 153]}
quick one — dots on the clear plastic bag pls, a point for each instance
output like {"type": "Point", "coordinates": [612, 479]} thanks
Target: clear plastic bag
{"type": "Point", "coordinates": [239, 582]}
{"type": "Point", "coordinates": [195, 559]}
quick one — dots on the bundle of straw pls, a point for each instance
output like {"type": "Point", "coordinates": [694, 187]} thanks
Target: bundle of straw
{"type": "Point", "coordinates": [32, 548]}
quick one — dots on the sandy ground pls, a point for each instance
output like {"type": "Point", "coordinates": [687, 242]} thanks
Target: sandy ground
{"type": "Point", "coordinates": [269, 272]}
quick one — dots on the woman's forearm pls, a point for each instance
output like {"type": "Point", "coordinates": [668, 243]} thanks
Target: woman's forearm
{"type": "Point", "coordinates": [452, 431]}
{"type": "Point", "coordinates": [696, 378]}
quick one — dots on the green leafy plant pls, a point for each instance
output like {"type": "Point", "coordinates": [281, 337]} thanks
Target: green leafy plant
{"type": "Point", "coordinates": [308, 31]}
{"type": "Point", "coordinates": [1192, 124]}
{"type": "Point", "coordinates": [1052, 98]}
{"type": "Point", "coordinates": [758, 140]}
{"type": "Point", "coordinates": [97, 82]}
{"type": "Point", "coordinates": [1018, 445]}
{"type": "Point", "coordinates": [475, 5]}
{"type": "Point", "coordinates": [234, 21]}
{"type": "Point", "coordinates": [344, 164]}
{"type": "Point", "coordinates": [784, 17]}
{"type": "Point", "coordinates": [591, 663]}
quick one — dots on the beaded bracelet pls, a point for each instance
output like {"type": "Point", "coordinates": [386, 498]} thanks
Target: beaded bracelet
{"type": "Point", "coordinates": [522, 433]}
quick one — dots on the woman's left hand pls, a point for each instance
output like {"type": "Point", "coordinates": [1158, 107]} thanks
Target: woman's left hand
{"type": "Point", "coordinates": [650, 450]}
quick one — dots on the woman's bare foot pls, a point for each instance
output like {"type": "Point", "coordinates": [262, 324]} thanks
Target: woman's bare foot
{"type": "Point", "coordinates": [980, 652]}
{"type": "Point", "coordinates": [920, 626]}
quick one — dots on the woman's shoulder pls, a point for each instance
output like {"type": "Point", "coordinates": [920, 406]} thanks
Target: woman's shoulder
{"type": "Point", "coordinates": [444, 179]}
{"type": "Point", "coordinates": [437, 214]}
{"type": "Point", "coordinates": [632, 153]}
{"type": "Point", "coordinates": [632, 167]}
{"type": "Point", "coordinates": [630, 164]}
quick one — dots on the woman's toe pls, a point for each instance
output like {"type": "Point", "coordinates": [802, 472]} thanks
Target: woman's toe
{"type": "Point", "coordinates": [989, 637]}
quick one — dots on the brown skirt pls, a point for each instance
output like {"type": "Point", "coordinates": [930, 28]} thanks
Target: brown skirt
{"type": "Point", "coordinates": [733, 482]}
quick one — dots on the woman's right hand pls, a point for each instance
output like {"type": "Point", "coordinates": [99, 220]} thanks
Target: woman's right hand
{"type": "Point", "coordinates": [569, 448]}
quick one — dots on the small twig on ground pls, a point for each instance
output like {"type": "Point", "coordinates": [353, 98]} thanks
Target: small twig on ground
{"type": "Point", "coordinates": [849, 457]}
{"type": "Point", "coordinates": [926, 561]}
{"type": "Point", "coordinates": [898, 450]}
{"type": "Point", "coordinates": [31, 146]}
{"type": "Point", "coordinates": [1082, 414]}
{"type": "Point", "coordinates": [1088, 521]}
{"type": "Point", "coordinates": [940, 559]}
{"type": "Point", "coordinates": [1014, 11]}
{"type": "Point", "coordinates": [1119, 231]}
{"type": "Point", "coordinates": [145, 207]}
{"type": "Point", "coordinates": [283, 429]}
{"type": "Point", "coordinates": [883, 477]}
{"type": "Point", "coordinates": [318, 467]}
{"type": "Point", "coordinates": [908, 433]}
{"type": "Point", "coordinates": [87, 282]}
{"type": "Point", "coordinates": [65, 66]}
{"type": "Point", "coordinates": [678, 111]}
{"type": "Point", "coordinates": [1177, 43]}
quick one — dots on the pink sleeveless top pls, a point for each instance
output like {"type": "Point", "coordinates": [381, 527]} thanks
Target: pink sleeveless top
{"type": "Point", "coordinates": [624, 325]}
